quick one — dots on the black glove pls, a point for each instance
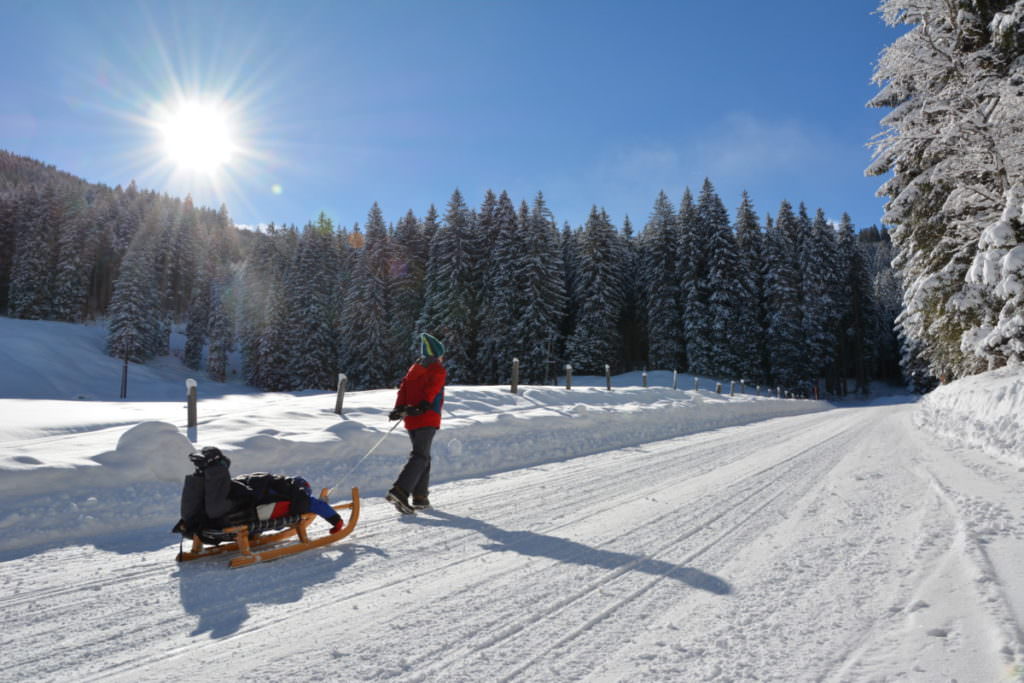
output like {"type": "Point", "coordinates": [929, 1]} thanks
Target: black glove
{"type": "Point", "coordinates": [397, 413]}
{"type": "Point", "coordinates": [208, 457]}
{"type": "Point", "coordinates": [418, 409]}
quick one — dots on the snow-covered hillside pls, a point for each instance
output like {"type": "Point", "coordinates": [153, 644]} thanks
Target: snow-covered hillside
{"type": "Point", "coordinates": [642, 533]}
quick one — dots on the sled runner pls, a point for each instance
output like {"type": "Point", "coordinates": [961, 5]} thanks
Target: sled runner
{"type": "Point", "coordinates": [246, 538]}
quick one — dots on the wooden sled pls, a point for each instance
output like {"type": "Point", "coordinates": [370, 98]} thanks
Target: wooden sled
{"type": "Point", "coordinates": [245, 538]}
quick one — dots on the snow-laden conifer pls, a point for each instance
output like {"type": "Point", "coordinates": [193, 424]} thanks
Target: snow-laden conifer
{"type": "Point", "coordinates": [749, 332]}
{"type": "Point", "coordinates": [659, 253]}
{"type": "Point", "coordinates": [722, 288]}
{"type": "Point", "coordinates": [313, 319]}
{"type": "Point", "coordinates": [596, 341]}
{"type": "Point", "coordinates": [784, 302]}
{"type": "Point", "coordinates": [535, 333]}
{"type": "Point", "coordinates": [503, 300]}
{"type": "Point", "coordinates": [819, 277]}
{"type": "Point", "coordinates": [454, 284]}
{"type": "Point", "coordinates": [370, 358]}
{"type": "Point", "coordinates": [954, 143]}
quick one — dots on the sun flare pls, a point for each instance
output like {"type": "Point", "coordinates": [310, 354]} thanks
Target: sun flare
{"type": "Point", "coordinates": [197, 137]}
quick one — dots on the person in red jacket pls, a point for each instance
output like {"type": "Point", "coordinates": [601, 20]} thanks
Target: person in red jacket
{"type": "Point", "coordinates": [419, 401]}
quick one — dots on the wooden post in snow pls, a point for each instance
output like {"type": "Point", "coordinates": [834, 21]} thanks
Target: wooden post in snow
{"type": "Point", "coordinates": [515, 376]}
{"type": "Point", "coordinates": [568, 376]}
{"type": "Point", "coordinates": [608, 376]}
{"type": "Point", "coordinates": [193, 411]}
{"type": "Point", "coordinates": [339, 402]}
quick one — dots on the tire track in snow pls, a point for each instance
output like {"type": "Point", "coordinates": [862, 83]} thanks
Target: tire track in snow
{"type": "Point", "coordinates": [378, 576]}
{"type": "Point", "coordinates": [720, 511]}
{"type": "Point", "coordinates": [700, 461]}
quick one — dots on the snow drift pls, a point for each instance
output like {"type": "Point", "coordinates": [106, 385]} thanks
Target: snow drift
{"type": "Point", "coordinates": [985, 411]}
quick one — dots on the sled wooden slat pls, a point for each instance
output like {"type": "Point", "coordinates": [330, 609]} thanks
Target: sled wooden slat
{"type": "Point", "coordinates": [246, 546]}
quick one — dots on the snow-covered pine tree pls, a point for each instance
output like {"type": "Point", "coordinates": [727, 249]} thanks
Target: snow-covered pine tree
{"type": "Point", "coordinates": [632, 323]}
{"type": "Point", "coordinates": [201, 309]}
{"type": "Point", "coordinates": [886, 297]}
{"type": "Point", "coordinates": [261, 278]}
{"type": "Point", "coordinates": [820, 274]}
{"type": "Point", "coordinates": [454, 285]}
{"type": "Point", "coordinates": [659, 253]}
{"type": "Point", "coordinates": [853, 309]}
{"type": "Point", "coordinates": [134, 325]}
{"type": "Point", "coordinates": [722, 286]}
{"type": "Point", "coordinates": [366, 321]}
{"type": "Point", "coordinates": [569, 240]}
{"type": "Point", "coordinates": [999, 268]}
{"type": "Point", "coordinates": [76, 256]}
{"type": "Point", "coordinates": [35, 254]}
{"type": "Point", "coordinates": [273, 351]}
{"type": "Point", "coordinates": [313, 319]}
{"type": "Point", "coordinates": [180, 248]}
{"type": "Point", "coordinates": [502, 299]}
{"type": "Point", "coordinates": [692, 269]}
{"type": "Point", "coordinates": [749, 333]}
{"type": "Point", "coordinates": [954, 142]}
{"type": "Point", "coordinates": [783, 295]}
{"type": "Point", "coordinates": [536, 331]}
{"type": "Point", "coordinates": [430, 228]}
{"type": "Point", "coordinates": [130, 211]}
{"type": "Point", "coordinates": [9, 227]}
{"type": "Point", "coordinates": [408, 271]}
{"type": "Point", "coordinates": [198, 321]}
{"type": "Point", "coordinates": [597, 340]}
{"type": "Point", "coordinates": [221, 329]}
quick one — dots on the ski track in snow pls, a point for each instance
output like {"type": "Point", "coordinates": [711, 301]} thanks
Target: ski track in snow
{"type": "Point", "coordinates": [815, 547]}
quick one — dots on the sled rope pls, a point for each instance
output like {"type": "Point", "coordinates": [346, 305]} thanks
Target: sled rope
{"type": "Point", "coordinates": [360, 461]}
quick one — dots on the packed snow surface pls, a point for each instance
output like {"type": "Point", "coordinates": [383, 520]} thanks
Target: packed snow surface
{"type": "Point", "coordinates": [634, 534]}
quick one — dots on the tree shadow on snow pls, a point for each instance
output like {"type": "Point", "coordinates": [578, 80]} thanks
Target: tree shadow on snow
{"type": "Point", "coordinates": [539, 545]}
{"type": "Point", "coordinates": [220, 597]}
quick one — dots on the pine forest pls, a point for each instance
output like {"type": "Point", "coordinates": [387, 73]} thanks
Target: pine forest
{"type": "Point", "coordinates": [791, 301]}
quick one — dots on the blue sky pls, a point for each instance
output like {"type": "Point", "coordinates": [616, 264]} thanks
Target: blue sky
{"type": "Point", "coordinates": [335, 105]}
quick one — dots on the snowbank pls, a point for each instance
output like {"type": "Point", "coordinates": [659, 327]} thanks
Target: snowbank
{"type": "Point", "coordinates": [985, 411]}
{"type": "Point", "coordinates": [77, 463]}
{"type": "Point", "coordinates": [95, 478]}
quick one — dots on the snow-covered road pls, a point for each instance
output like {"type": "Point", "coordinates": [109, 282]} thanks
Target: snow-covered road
{"type": "Point", "coordinates": [839, 545]}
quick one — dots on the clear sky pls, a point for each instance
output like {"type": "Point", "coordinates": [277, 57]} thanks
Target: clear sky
{"type": "Point", "coordinates": [331, 106]}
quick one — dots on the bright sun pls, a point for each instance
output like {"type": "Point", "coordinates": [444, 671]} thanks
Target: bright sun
{"type": "Point", "coordinates": [197, 137]}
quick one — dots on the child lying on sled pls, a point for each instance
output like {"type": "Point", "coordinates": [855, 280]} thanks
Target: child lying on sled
{"type": "Point", "coordinates": [211, 499]}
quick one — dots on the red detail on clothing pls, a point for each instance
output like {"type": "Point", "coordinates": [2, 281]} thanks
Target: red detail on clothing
{"type": "Point", "coordinates": [423, 384]}
{"type": "Point", "coordinates": [280, 509]}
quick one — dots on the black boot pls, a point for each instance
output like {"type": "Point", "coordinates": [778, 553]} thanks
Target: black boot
{"type": "Point", "coordinates": [400, 499]}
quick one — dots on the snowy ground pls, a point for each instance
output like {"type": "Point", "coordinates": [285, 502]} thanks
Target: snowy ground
{"type": "Point", "coordinates": [637, 534]}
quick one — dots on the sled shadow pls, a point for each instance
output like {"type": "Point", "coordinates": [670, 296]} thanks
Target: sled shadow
{"type": "Point", "coordinates": [539, 545]}
{"type": "Point", "coordinates": [220, 597]}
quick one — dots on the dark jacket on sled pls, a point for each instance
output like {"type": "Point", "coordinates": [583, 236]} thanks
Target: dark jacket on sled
{"type": "Point", "coordinates": [211, 499]}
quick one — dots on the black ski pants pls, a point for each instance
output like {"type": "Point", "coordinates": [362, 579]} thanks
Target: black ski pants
{"type": "Point", "coordinates": [415, 476]}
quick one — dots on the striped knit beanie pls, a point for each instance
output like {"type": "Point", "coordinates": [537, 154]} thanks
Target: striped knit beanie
{"type": "Point", "coordinates": [430, 347]}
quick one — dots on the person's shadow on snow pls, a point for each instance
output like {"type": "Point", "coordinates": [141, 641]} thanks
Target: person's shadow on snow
{"type": "Point", "coordinates": [562, 550]}
{"type": "Point", "coordinates": [220, 597]}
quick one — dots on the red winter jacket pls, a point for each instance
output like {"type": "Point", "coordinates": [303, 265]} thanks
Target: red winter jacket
{"type": "Point", "coordinates": [423, 383]}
